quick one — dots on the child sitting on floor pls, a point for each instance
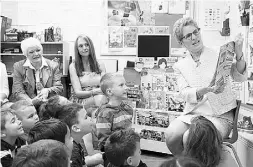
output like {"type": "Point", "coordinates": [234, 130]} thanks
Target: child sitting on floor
{"type": "Point", "coordinates": [51, 129]}
{"type": "Point", "coordinates": [75, 116]}
{"type": "Point", "coordinates": [11, 130]}
{"type": "Point", "coordinates": [52, 106]}
{"type": "Point", "coordinates": [203, 142]}
{"type": "Point", "coordinates": [117, 114]}
{"type": "Point", "coordinates": [43, 153]}
{"type": "Point", "coordinates": [122, 149]}
{"type": "Point", "coordinates": [27, 113]}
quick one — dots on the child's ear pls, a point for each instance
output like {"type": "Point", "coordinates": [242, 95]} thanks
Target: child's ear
{"type": "Point", "coordinates": [129, 161]}
{"type": "Point", "coordinates": [75, 128]}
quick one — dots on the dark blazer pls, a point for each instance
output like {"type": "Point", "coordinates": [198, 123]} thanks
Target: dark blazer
{"type": "Point", "coordinates": [24, 80]}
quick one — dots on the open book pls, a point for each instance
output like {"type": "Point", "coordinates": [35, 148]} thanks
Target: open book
{"type": "Point", "coordinates": [221, 102]}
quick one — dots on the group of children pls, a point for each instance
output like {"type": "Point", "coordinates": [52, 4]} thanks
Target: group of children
{"type": "Point", "coordinates": [54, 134]}
{"type": "Point", "coordinates": [27, 134]}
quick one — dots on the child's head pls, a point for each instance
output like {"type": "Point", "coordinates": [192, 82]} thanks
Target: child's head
{"type": "Point", "coordinates": [51, 129]}
{"type": "Point", "coordinates": [123, 148]}
{"type": "Point", "coordinates": [43, 153]}
{"type": "Point", "coordinates": [181, 162]}
{"type": "Point", "coordinates": [203, 142]}
{"type": "Point", "coordinates": [75, 116]}
{"type": "Point", "coordinates": [52, 106]}
{"type": "Point", "coordinates": [113, 85]}
{"type": "Point", "coordinates": [26, 112]}
{"type": "Point", "coordinates": [11, 126]}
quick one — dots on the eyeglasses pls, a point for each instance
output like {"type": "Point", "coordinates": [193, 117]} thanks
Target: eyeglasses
{"type": "Point", "coordinates": [189, 36]}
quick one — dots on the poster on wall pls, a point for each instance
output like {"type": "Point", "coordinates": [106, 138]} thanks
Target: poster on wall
{"type": "Point", "coordinates": [115, 37]}
{"type": "Point", "coordinates": [166, 63]}
{"type": "Point", "coordinates": [251, 19]}
{"type": "Point", "coordinates": [212, 18]}
{"type": "Point", "coordinates": [148, 62]}
{"type": "Point", "coordinates": [121, 13]}
{"type": "Point", "coordinates": [146, 30]}
{"type": "Point", "coordinates": [162, 30]}
{"type": "Point", "coordinates": [159, 6]}
{"type": "Point", "coordinates": [250, 56]}
{"type": "Point", "coordinates": [176, 7]}
{"type": "Point", "coordinates": [250, 92]}
{"type": "Point", "coordinates": [130, 37]}
{"type": "Point", "coordinates": [144, 15]}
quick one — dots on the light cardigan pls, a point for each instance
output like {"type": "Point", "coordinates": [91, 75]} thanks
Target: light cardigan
{"type": "Point", "coordinates": [191, 77]}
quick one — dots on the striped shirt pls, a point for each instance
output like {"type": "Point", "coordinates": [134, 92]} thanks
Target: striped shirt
{"type": "Point", "coordinates": [112, 118]}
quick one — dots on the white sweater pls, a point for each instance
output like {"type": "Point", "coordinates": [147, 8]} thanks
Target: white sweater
{"type": "Point", "coordinates": [191, 77]}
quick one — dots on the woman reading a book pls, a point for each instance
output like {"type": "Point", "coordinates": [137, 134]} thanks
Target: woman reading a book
{"type": "Point", "coordinates": [198, 84]}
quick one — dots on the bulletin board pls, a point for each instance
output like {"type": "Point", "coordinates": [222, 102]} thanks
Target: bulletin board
{"type": "Point", "coordinates": [124, 20]}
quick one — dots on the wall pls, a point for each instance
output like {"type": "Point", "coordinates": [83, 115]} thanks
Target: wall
{"type": "Point", "coordinates": [73, 16]}
{"type": "Point", "coordinates": [87, 16]}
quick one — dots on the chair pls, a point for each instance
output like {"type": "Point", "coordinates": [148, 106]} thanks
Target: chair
{"type": "Point", "coordinates": [230, 155]}
{"type": "Point", "coordinates": [230, 140]}
{"type": "Point", "coordinates": [234, 136]}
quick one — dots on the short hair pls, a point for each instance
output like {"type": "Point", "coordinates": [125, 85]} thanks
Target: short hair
{"type": "Point", "coordinates": [179, 25]}
{"type": "Point", "coordinates": [48, 129]}
{"type": "Point", "coordinates": [50, 108]}
{"type": "Point", "coordinates": [4, 113]}
{"type": "Point", "coordinates": [204, 142]}
{"type": "Point", "coordinates": [43, 153]}
{"type": "Point", "coordinates": [29, 42]}
{"type": "Point", "coordinates": [121, 145]}
{"type": "Point", "coordinates": [69, 114]}
{"type": "Point", "coordinates": [107, 81]}
{"type": "Point", "coordinates": [18, 105]}
{"type": "Point", "coordinates": [181, 162]}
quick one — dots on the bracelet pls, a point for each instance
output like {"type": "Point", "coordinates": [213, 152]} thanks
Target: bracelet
{"type": "Point", "coordinates": [240, 57]}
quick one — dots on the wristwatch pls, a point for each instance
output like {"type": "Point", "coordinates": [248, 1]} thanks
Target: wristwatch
{"type": "Point", "coordinates": [239, 58]}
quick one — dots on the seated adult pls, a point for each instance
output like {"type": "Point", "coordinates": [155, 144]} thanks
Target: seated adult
{"type": "Point", "coordinates": [4, 86]}
{"type": "Point", "coordinates": [85, 74]}
{"type": "Point", "coordinates": [35, 78]}
{"type": "Point", "coordinates": [195, 76]}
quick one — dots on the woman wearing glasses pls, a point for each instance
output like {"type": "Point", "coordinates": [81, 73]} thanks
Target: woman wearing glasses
{"type": "Point", "coordinates": [195, 73]}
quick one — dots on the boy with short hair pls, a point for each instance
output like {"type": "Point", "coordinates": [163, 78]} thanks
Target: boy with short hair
{"type": "Point", "coordinates": [27, 113]}
{"type": "Point", "coordinates": [51, 129]}
{"type": "Point", "coordinates": [116, 114]}
{"type": "Point", "coordinates": [11, 130]}
{"type": "Point", "coordinates": [43, 153]}
{"type": "Point", "coordinates": [75, 116]}
{"type": "Point", "coordinates": [122, 149]}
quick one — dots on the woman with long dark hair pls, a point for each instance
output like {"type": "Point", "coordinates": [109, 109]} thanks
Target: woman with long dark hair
{"type": "Point", "coordinates": [85, 73]}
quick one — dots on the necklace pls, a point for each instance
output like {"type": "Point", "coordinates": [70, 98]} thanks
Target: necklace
{"type": "Point", "coordinates": [196, 57]}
